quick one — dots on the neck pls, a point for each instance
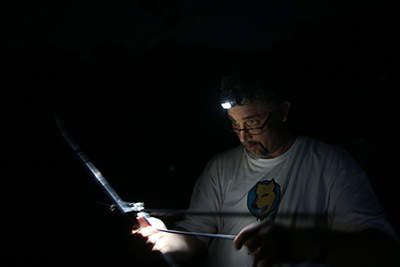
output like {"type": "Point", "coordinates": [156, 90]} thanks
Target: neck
{"type": "Point", "coordinates": [281, 145]}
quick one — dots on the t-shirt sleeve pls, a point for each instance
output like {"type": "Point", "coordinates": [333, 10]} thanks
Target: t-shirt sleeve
{"type": "Point", "coordinates": [205, 199]}
{"type": "Point", "coordinates": [353, 205]}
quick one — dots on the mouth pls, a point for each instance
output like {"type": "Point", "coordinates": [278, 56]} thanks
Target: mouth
{"type": "Point", "coordinates": [251, 146]}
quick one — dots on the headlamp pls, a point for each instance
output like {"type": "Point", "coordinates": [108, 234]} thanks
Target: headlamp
{"type": "Point", "coordinates": [230, 102]}
{"type": "Point", "coordinates": [226, 105]}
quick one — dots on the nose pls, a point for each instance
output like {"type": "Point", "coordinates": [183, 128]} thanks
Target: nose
{"type": "Point", "coordinates": [244, 137]}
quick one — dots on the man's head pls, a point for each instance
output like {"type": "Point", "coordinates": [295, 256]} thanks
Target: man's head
{"type": "Point", "coordinates": [245, 85]}
{"type": "Point", "coordinates": [257, 112]}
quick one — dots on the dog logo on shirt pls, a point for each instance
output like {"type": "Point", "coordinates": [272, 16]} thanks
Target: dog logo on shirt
{"type": "Point", "coordinates": [263, 198]}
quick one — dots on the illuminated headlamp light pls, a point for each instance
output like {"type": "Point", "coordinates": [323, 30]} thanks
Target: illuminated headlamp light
{"type": "Point", "coordinates": [228, 103]}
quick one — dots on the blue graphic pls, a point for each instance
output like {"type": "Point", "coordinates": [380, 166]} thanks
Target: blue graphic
{"type": "Point", "coordinates": [263, 198]}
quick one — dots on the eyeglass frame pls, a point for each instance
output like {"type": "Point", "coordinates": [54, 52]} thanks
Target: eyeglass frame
{"type": "Point", "coordinates": [246, 130]}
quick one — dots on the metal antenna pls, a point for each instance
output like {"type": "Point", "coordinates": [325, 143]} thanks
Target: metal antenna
{"type": "Point", "coordinates": [123, 207]}
{"type": "Point", "coordinates": [126, 207]}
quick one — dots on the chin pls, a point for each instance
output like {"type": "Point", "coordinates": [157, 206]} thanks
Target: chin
{"type": "Point", "coordinates": [257, 154]}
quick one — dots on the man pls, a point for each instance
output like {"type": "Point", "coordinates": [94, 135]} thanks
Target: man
{"type": "Point", "coordinates": [300, 201]}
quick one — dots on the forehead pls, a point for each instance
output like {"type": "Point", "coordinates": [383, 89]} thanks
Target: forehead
{"type": "Point", "coordinates": [252, 110]}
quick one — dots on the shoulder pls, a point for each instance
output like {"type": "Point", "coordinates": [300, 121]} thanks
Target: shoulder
{"type": "Point", "coordinates": [334, 165]}
{"type": "Point", "coordinates": [228, 156]}
{"type": "Point", "coordinates": [223, 162]}
{"type": "Point", "coordinates": [316, 145]}
{"type": "Point", "coordinates": [329, 153]}
{"type": "Point", "coordinates": [330, 162]}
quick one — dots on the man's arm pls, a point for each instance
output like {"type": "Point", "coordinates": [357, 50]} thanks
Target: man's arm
{"type": "Point", "coordinates": [272, 244]}
{"type": "Point", "coordinates": [366, 248]}
{"type": "Point", "coordinates": [186, 246]}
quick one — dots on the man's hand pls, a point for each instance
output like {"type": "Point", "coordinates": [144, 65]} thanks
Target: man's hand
{"type": "Point", "coordinates": [159, 241]}
{"type": "Point", "coordinates": [142, 242]}
{"type": "Point", "coordinates": [180, 247]}
{"type": "Point", "coordinates": [271, 244]}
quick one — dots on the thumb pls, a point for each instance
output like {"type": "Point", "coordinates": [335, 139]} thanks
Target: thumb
{"type": "Point", "coordinates": [156, 223]}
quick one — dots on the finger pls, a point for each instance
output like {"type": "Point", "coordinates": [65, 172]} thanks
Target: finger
{"type": "Point", "coordinates": [135, 231]}
{"type": "Point", "coordinates": [253, 244]}
{"type": "Point", "coordinates": [240, 239]}
{"type": "Point", "coordinates": [269, 251]}
{"type": "Point", "coordinates": [140, 245]}
{"type": "Point", "coordinates": [253, 252]}
{"type": "Point", "coordinates": [156, 223]}
{"type": "Point", "coordinates": [144, 251]}
{"type": "Point", "coordinates": [156, 237]}
{"type": "Point", "coordinates": [160, 245]}
{"type": "Point", "coordinates": [245, 234]}
{"type": "Point", "coordinates": [148, 231]}
{"type": "Point", "coordinates": [268, 257]}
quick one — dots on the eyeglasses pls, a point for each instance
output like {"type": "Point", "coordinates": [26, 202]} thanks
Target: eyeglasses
{"type": "Point", "coordinates": [252, 131]}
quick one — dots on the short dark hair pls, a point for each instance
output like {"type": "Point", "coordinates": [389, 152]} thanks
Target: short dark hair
{"type": "Point", "coordinates": [251, 84]}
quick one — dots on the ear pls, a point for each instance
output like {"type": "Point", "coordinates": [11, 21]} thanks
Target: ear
{"type": "Point", "coordinates": [283, 111]}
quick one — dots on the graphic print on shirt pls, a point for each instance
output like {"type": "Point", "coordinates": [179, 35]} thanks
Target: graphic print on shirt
{"type": "Point", "coordinates": [263, 198]}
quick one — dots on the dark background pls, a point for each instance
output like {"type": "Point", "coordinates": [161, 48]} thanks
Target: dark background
{"type": "Point", "coordinates": [137, 84]}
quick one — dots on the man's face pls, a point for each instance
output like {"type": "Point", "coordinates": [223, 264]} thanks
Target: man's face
{"type": "Point", "coordinates": [251, 116]}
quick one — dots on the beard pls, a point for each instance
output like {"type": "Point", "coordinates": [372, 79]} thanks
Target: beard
{"type": "Point", "coordinates": [259, 152]}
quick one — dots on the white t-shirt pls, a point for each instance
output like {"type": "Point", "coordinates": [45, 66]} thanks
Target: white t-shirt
{"type": "Point", "coordinates": [312, 185]}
